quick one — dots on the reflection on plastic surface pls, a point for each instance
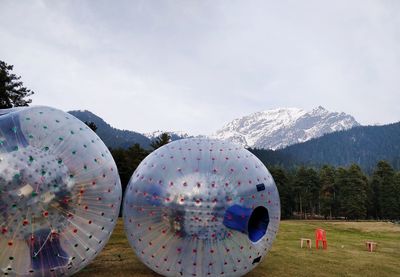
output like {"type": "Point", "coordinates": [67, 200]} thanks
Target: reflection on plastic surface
{"type": "Point", "coordinates": [60, 193]}
{"type": "Point", "coordinates": [199, 207]}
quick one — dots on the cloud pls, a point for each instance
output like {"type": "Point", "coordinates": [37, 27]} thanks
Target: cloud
{"type": "Point", "coordinates": [193, 66]}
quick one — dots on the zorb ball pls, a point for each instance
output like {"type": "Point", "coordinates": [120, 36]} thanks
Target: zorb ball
{"type": "Point", "coordinates": [201, 207]}
{"type": "Point", "coordinates": [59, 193]}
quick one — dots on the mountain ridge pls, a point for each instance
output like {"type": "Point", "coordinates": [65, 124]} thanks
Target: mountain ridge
{"type": "Point", "coordinates": [362, 145]}
{"type": "Point", "coordinates": [112, 137]}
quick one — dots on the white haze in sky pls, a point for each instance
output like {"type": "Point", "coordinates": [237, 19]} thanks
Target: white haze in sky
{"type": "Point", "coordinates": [195, 65]}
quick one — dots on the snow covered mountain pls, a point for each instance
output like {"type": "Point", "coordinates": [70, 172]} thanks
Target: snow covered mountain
{"type": "Point", "coordinates": [278, 128]}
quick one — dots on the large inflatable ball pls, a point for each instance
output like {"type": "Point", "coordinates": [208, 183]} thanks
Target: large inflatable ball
{"type": "Point", "coordinates": [59, 193]}
{"type": "Point", "coordinates": [200, 207]}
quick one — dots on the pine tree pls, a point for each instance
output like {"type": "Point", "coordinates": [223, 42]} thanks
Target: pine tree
{"type": "Point", "coordinates": [12, 90]}
{"type": "Point", "coordinates": [386, 193]}
{"type": "Point", "coordinates": [306, 188]}
{"type": "Point", "coordinates": [328, 191]}
{"type": "Point", "coordinates": [161, 140]}
{"type": "Point", "coordinates": [397, 184]}
{"type": "Point", "coordinates": [299, 189]}
{"type": "Point", "coordinates": [285, 191]}
{"type": "Point", "coordinates": [91, 125]}
{"type": "Point", "coordinates": [353, 193]}
{"type": "Point", "coordinates": [313, 189]}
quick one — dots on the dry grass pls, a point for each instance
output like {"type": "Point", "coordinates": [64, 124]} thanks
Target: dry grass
{"type": "Point", "coordinates": [346, 254]}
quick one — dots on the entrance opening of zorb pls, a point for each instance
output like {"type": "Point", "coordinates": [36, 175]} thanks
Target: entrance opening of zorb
{"type": "Point", "coordinates": [258, 224]}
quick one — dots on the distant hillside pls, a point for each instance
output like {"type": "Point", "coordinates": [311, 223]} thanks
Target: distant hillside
{"type": "Point", "coordinates": [364, 145]}
{"type": "Point", "coordinates": [111, 136]}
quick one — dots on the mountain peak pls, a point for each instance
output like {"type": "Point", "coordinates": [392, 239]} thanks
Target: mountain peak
{"type": "Point", "coordinates": [280, 127]}
{"type": "Point", "coordinates": [320, 109]}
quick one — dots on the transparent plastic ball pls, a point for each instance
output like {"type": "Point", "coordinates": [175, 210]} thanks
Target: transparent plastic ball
{"type": "Point", "coordinates": [201, 207]}
{"type": "Point", "coordinates": [60, 193]}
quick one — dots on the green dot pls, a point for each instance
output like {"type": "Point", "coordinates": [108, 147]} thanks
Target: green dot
{"type": "Point", "coordinates": [43, 172]}
{"type": "Point", "coordinates": [58, 121]}
{"type": "Point", "coordinates": [73, 152]}
{"type": "Point", "coordinates": [44, 127]}
{"type": "Point", "coordinates": [72, 132]}
{"type": "Point", "coordinates": [14, 129]}
{"type": "Point", "coordinates": [45, 148]}
{"type": "Point", "coordinates": [1, 142]}
{"type": "Point", "coordinates": [28, 118]}
{"type": "Point", "coordinates": [34, 193]}
{"type": "Point", "coordinates": [14, 205]}
{"type": "Point", "coordinates": [85, 167]}
{"type": "Point", "coordinates": [30, 136]}
{"type": "Point", "coordinates": [60, 138]}
{"type": "Point", "coordinates": [15, 148]}
{"type": "Point", "coordinates": [60, 161]}
{"type": "Point", "coordinates": [31, 159]}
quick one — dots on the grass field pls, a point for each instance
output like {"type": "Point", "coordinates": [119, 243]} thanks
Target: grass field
{"type": "Point", "coordinates": [346, 254]}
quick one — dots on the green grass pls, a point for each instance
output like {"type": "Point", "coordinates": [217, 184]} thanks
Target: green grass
{"type": "Point", "coordinates": [346, 254]}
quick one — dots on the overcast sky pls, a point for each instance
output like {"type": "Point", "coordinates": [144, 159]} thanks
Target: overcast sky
{"type": "Point", "coordinates": [196, 65]}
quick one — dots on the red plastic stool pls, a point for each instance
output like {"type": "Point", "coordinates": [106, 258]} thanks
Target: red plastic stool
{"type": "Point", "coordinates": [320, 235]}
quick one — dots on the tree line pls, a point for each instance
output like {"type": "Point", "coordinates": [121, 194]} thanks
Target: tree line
{"type": "Point", "coordinates": [345, 193]}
